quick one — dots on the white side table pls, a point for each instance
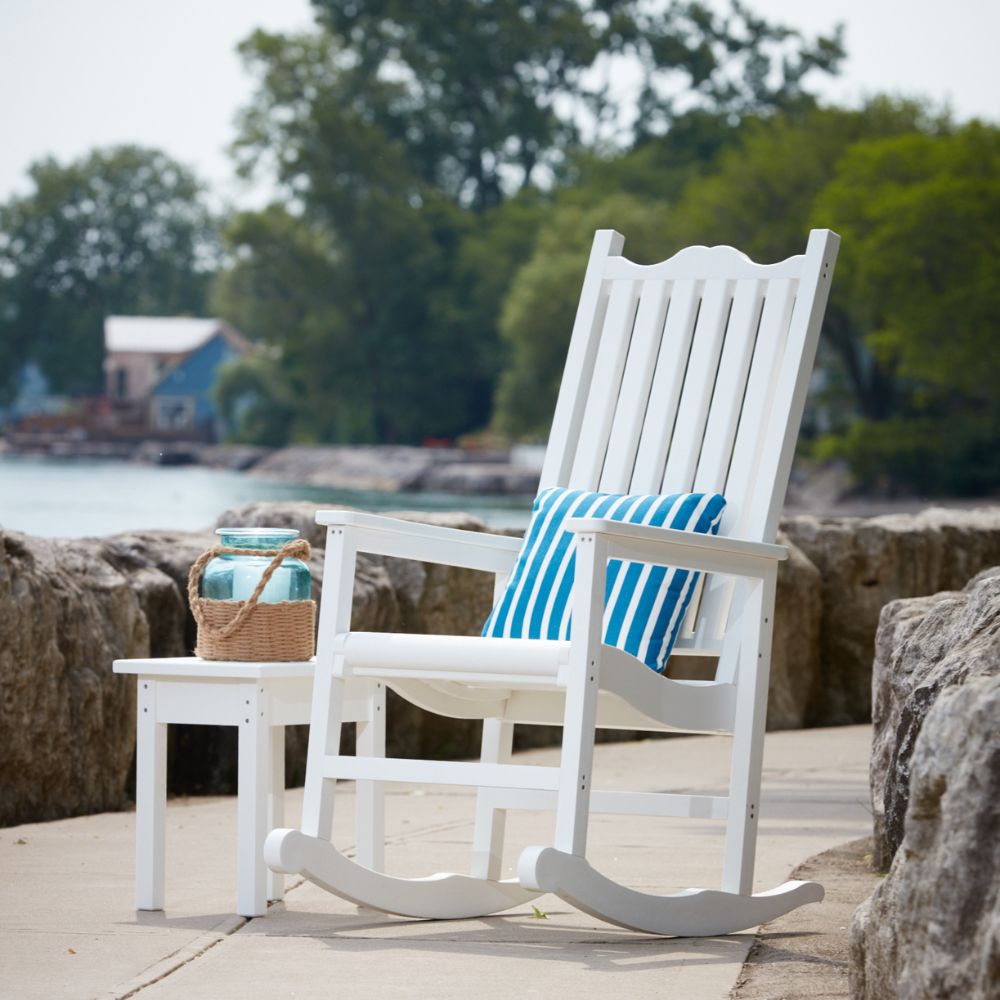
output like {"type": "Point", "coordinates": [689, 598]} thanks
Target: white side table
{"type": "Point", "coordinates": [260, 699]}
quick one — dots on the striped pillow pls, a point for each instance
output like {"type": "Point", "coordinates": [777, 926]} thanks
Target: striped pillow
{"type": "Point", "coordinates": [644, 604]}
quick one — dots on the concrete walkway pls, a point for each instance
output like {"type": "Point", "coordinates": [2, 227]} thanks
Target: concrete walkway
{"type": "Point", "coordinates": [68, 929]}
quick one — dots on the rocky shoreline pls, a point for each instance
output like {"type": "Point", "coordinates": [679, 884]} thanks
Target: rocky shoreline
{"type": "Point", "coordinates": [397, 469]}
{"type": "Point", "coordinates": [386, 468]}
{"type": "Point", "coordinates": [824, 491]}
{"type": "Point", "coordinates": [69, 607]}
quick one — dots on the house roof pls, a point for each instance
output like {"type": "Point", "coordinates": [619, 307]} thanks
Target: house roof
{"type": "Point", "coordinates": [158, 334]}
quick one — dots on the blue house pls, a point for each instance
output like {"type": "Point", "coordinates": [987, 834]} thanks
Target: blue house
{"type": "Point", "coordinates": [181, 401]}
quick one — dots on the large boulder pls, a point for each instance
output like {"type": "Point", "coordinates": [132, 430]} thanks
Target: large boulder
{"type": "Point", "coordinates": [924, 646]}
{"type": "Point", "coordinates": [932, 927]}
{"type": "Point", "coordinates": [864, 564]}
{"type": "Point", "coordinates": [156, 564]}
{"type": "Point", "coordinates": [795, 663]}
{"type": "Point", "coordinates": [67, 724]}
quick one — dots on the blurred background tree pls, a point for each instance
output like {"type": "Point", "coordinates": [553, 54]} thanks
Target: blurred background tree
{"type": "Point", "coordinates": [123, 230]}
{"type": "Point", "coordinates": [920, 213]}
{"type": "Point", "coordinates": [421, 145]}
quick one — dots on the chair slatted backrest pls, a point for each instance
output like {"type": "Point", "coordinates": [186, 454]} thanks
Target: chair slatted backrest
{"type": "Point", "coordinates": [691, 374]}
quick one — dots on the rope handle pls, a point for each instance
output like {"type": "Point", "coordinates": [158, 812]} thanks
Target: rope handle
{"type": "Point", "coordinates": [297, 549]}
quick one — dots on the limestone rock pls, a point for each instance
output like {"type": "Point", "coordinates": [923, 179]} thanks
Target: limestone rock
{"type": "Point", "coordinates": [924, 646]}
{"type": "Point", "coordinates": [67, 723]}
{"type": "Point", "coordinates": [157, 563]}
{"type": "Point", "coordinates": [897, 623]}
{"type": "Point", "coordinates": [355, 467]}
{"type": "Point", "coordinates": [481, 477]}
{"type": "Point", "coordinates": [795, 667]}
{"type": "Point", "coordinates": [864, 564]}
{"type": "Point", "coordinates": [932, 927]}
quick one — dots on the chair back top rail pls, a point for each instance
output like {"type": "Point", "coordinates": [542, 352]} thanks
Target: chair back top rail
{"type": "Point", "coordinates": [691, 374]}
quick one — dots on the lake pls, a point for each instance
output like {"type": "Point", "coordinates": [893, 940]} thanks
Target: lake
{"type": "Point", "coordinates": [75, 498]}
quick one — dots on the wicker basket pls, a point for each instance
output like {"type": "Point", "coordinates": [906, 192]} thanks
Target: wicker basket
{"type": "Point", "coordinates": [250, 630]}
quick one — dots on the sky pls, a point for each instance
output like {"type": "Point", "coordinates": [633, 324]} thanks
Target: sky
{"type": "Point", "coordinates": [75, 74]}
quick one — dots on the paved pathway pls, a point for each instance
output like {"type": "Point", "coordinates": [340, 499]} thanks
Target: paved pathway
{"type": "Point", "coordinates": [68, 930]}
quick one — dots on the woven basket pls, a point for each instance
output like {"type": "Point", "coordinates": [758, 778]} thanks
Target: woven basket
{"type": "Point", "coordinates": [249, 630]}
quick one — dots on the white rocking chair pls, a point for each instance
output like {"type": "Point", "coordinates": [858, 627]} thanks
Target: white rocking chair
{"type": "Point", "coordinates": [690, 374]}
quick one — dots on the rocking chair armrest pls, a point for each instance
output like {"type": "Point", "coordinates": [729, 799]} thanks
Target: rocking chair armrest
{"type": "Point", "coordinates": [392, 536]}
{"type": "Point", "coordinates": [683, 549]}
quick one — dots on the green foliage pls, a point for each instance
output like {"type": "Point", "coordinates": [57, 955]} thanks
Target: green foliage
{"type": "Point", "coordinates": [364, 335]}
{"type": "Point", "coordinates": [280, 292]}
{"type": "Point", "coordinates": [906, 397]}
{"type": "Point", "coordinates": [657, 167]}
{"type": "Point", "coordinates": [537, 319]}
{"type": "Point", "coordinates": [921, 213]}
{"type": "Point", "coordinates": [921, 216]}
{"type": "Point", "coordinates": [759, 193]}
{"type": "Point", "coordinates": [488, 91]}
{"type": "Point", "coordinates": [399, 133]}
{"type": "Point", "coordinates": [369, 333]}
{"type": "Point", "coordinates": [254, 399]}
{"type": "Point", "coordinates": [121, 230]}
{"type": "Point", "coordinates": [907, 393]}
{"type": "Point", "coordinates": [937, 454]}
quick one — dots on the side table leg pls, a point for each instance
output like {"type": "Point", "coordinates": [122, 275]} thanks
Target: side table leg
{"type": "Point", "coordinates": [252, 791]}
{"type": "Point", "coordinates": [276, 802]}
{"type": "Point", "coordinates": [150, 799]}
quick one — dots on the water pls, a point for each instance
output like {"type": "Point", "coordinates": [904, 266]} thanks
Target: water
{"type": "Point", "coordinates": [76, 498]}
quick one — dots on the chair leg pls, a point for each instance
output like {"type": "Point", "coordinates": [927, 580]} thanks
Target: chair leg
{"type": "Point", "coordinates": [326, 717]}
{"type": "Point", "coordinates": [575, 779]}
{"type": "Point", "coordinates": [487, 845]}
{"type": "Point", "coordinates": [324, 740]}
{"type": "Point", "coordinates": [371, 794]}
{"type": "Point", "coordinates": [748, 738]}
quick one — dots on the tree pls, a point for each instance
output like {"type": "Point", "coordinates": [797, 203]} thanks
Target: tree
{"type": "Point", "coordinates": [761, 195]}
{"type": "Point", "coordinates": [255, 400]}
{"type": "Point", "coordinates": [921, 216]}
{"type": "Point", "coordinates": [282, 291]}
{"type": "Point", "coordinates": [368, 333]}
{"type": "Point", "coordinates": [398, 133]}
{"type": "Point", "coordinates": [488, 94]}
{"type": "Point", "coordinates": [538, 313]}
{"type": "Point", "coordinates": [122, 230]}
{"type": "Point", "coordinates": [393, 333]}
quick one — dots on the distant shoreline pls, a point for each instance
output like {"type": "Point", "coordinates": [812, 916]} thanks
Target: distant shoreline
{"type": "Point", "coordinates": [387, 468]}
{"type": "Point", "coordinates": [416, 469]}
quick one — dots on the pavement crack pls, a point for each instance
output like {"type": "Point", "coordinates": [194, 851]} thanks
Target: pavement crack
{"type": "Point", "coordinates": [184, 955]}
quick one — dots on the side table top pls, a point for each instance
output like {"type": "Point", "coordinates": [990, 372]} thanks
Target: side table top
{"type": "Point", "coordinates": [196, 667]}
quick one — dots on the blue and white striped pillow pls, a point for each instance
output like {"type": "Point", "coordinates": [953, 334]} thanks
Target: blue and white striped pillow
{"type": "Point", "coordinates": [644, 604]}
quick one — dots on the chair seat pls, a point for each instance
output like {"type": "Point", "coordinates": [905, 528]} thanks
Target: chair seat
{"type": "Point", "coordinates": [474, 659]}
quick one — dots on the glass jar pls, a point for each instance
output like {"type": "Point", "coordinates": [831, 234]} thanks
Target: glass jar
{"type": "Point", "coordinates": [230, 577]}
